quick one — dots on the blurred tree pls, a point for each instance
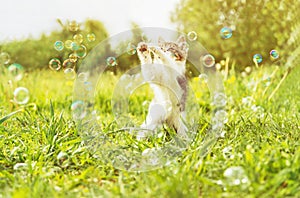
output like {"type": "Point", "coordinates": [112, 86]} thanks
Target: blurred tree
{"type": "Point", "coordinates": [258, 27]}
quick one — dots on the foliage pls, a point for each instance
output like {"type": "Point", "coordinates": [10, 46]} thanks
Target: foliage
{"type": "Point", "coordinates": [258, 27]}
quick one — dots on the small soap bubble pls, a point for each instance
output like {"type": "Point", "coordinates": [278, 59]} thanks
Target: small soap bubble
{"type": "Point", "coordinates": [63, 159]}
{"type": "Point", "coordinates": [68, 44]}
{"type": "Point", "coordinates": [59, 45]}
{"type": "Point", "coordinates": [55, 64]}
{"type": "Point", "coordinates": [151, 156]}
{"type": "Point", "coordinates": [70, 73]}
{"type": "Point", "coordinates": [91, 37]}
{"type": "Point", "coordinates": [73, 57]}
{"type": "Point", "coordinates": [21, 95]}
{"type": "Point", "coordinates": [203, 77]}
{"type": "Point", "coordinates": [78, 38]}
{"type": "Point", "coordinates": [131, 49]}
{"type": "Point", "coordinates": [226, 32]}
{"type": "Point", "coordinates": [221, 116]}
{"type": "Point", "coordinates": [75, 46]}
{"type": "Point", "coordinates": [79, 110]}
{"type": "Point", "coordinates": [111, 61]}
{"type": "Point", "coordinates": [274, 54]}
{"type": "Point", "coordinates": [257, 58]}
{"type": "Point", "coordinates": [82, 77]}
{"type": "Point", "coordinates": [236, 176]}
{"type": "Point", "coordinates": [81, 51]}
{"type": "Point", "coordinates": [208, 60]}
{"type": "Point", "coordinates": [4, 58]}
{"type": "Point", "coordinates": [248, 70]}
{"type": "Point", "coordinates": [219, 99]}
{"type": "Point", "coordinates": [16, 71]}
{"type": "Point", "coordinates": [227, 153]}
{"type": "Point", "coordinates": [88, 86]}
{"type": "Point", "coordinates": [192, 36]}
{"type": "Point", "coordinates": [68, 64]}
{"type": "Point", "coordinates": [73, 26]}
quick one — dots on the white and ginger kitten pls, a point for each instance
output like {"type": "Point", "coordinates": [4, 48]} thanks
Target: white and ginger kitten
{"type": "Point", "coordinates": [163, 66]}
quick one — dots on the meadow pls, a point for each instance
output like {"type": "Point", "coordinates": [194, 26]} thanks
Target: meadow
{"type": "Point", "coordinates": [257, 155]}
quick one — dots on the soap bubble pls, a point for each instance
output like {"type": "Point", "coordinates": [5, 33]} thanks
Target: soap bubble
{"type": "Point", "coordinates": [248, 69]}
{"type": "Point", "coordinates": [274, 54]}
{"type": "Point", "coordinates": [21, 95]}
{"type": "Point", "coordinates": [219, 99]}
{"type": "Point", "coordinates": [226, 32]}
{"type": "Point", "coordinates": [63, 159]}
{"type": "Point", "coordinates": [70, 73]}
{"type": "Point", "coordinates": [221, 116]}
{"type": "Point", "coordinates": [131, 49]}
{"type": "Point", "coordinates": [4, 58]}
{"type": "Point", "coordinates": [81, 51]}
{"type": "Point", "coordinates": [59, 45]}
{"type": "Point", "coordinates": [192, 36]}
{"type": "Point", "coordinates": [75, 46]}
{"type": "Point", "coordinates": [68, 64]}
{"type": "Point", "coordinates": [236, 176]}
{"type": "Point", "coordinates": [208, 60]}
{"type": "Point", "coordinates": [91, 37]}
{"type": "Point", "coordinates": [257, 58]}
{"type": "Point", "coordinates": [73, 57]}
{"type": "Point", "coordinates": [82, 77]}
{"type": "Point", "coordinates": [78, 109]}
{"type": "Point", "coordinates": [73, 26]}
{"type": "Point", "coordinates": [55, 64]}
{"type": "Point", "coordinates": [78, 38]}
{"type": "Point", "coordinates": [111, 61]}
{"type": "Point", "coordinates": [203, 77]}
{"type": "Point", "coordinates": [68, 44]}
{"type": "Point", "coordinates": [16, 71]}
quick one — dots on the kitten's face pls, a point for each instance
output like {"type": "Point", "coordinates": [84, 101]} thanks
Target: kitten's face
{"type": "Point", "coordinates": [176, 50]}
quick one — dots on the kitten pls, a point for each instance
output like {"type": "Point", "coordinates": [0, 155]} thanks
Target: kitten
{"type": "Point", "coordinates": [163, 65]}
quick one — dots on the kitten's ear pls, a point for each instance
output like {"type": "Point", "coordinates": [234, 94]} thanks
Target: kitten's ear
{"type": "Point", "coordinates": [181, 39]}
{"type": "Point", "coordinates": [160, 40]}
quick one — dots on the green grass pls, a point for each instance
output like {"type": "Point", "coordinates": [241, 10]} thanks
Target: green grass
{"type": "Point", "coordinates": [42, 154]}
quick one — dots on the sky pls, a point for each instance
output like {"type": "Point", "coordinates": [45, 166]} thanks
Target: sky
{"type": "Point", "coordinates": [20, 19]}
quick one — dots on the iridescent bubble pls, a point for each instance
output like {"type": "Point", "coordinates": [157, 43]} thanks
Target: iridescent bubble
{"type": "Point", "coordinates": [131, 49]}
{"type": "Point", "coordinates": [78, 38]}
{"type": "Point", "coordinates": [81, 51]}
{"type": "Point", "coordinates": [59, 45]}
{"type": "Point", "coordinates": [236, 176]}
{"type": "Point", "coordinates": [219, 99]}
{"type": "Point", "coordinates": [73, 57]}
{"type": "Point", "coordinates": [78, 109]}
{"type": "Point", "coordinates": [21, 95]}
{"type": "Point", "coordinates": [91, 37]}
{"type": "Point", "coordinates": [82, 77]}
{"type": "Point", "coordinates": [73, 26]}
{"type": "Point", "coordinates": [16, 71]}
{"type": "Point", "coordinates": [70, 73]}
{"type": "Point", "coordinates": [208, 60]}
{"type": "Point", "coordinates": [68, 64]}
{"type": "Point", "coordinates": [55, 64]}
{"type": "Point", "coordinates": [111, 61]}
{"type": "Point", "coordinates": [274, 54]}
{"type": "Point", "coordinates": [257, 58]}
{"type": "Point", "coordinates": [226, 32]}
{"type": "Point", "coordinates": [203, 77]}
{"type": "Point", "coordinates": [192, 36]}
{"type": "Point", "coordinates": [4, 58]}
{"type": "Point", "coordinates": [75, 46]}
{"type": "Point", "coordinates": [68, 44]}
